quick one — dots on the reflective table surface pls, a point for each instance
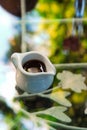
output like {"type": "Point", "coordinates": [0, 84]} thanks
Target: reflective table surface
{"type": "Point", "coordinates": [63, 105]}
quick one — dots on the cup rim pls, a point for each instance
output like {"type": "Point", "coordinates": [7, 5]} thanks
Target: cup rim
{"type": "Point", "coordinates": [23, 55]}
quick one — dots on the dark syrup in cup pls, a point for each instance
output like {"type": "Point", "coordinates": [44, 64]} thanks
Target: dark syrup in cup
{"type": "Point", "coordinates": [34, 66]}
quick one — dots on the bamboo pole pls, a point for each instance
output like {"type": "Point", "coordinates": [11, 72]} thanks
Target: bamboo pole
{"type": "Point", "coordinates": [48, 21]}
{"type": "Point", "coordinates": [71, 66]}
{"type": "Point", "coordinates": [23, 27]}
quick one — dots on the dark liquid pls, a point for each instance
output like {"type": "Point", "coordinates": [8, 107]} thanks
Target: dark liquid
{"type": "Point", "coordinates": [34, 66]}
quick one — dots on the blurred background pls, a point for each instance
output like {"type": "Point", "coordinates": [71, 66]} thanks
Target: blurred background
{"type": "Point", "coordinates": [56, 28]}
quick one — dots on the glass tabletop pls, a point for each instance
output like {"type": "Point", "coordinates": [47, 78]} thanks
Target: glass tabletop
{"type": "Point", "coordinates": [63, 105]}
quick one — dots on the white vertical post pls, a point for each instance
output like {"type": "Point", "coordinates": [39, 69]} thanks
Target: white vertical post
{"type": "Point", "coordinates": [80, 6]}
{"type": "Point", "coordinates": [23, 26]}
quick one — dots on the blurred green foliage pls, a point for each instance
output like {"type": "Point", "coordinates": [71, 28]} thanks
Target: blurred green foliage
{"type": "Point", "coordinates": [59, 31]}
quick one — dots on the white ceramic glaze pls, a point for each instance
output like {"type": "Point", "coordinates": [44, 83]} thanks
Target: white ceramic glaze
{"type": "Point", "coordinates": [33, 82]}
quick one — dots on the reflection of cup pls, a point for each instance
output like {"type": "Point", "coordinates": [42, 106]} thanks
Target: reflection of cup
{"type": "Point", "coordinates": [31, 81]}
{"type": "Point", "coordinates": [34, 103]}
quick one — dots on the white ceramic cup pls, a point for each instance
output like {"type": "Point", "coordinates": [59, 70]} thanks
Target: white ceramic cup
{"type": "Point", "coordinates": [33, 82]}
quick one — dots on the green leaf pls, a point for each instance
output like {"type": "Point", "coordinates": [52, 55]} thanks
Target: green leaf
{"type": "Point", "coordinates": [59, 97]}
{"type": "Point", "coordinates": [56, 112]}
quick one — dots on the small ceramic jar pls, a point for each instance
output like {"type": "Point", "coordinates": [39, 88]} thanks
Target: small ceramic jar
{"type": "Point", "coordinates": [34, 71]}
